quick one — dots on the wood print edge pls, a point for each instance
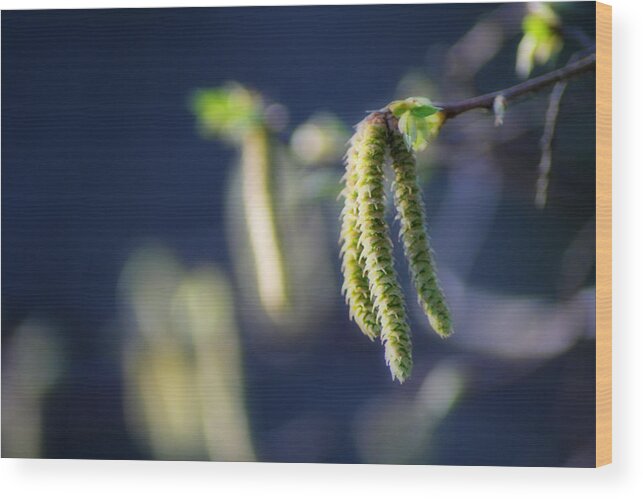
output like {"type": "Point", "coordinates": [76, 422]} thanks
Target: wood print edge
{"type": "Point", "coordinates": [603, 234]}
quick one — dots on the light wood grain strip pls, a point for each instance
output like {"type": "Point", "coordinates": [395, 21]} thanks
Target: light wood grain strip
{"type": "Point", "coordinates": [603, 234]}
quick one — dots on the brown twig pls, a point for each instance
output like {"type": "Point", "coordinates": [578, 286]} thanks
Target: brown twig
{"type": "Point", "coordinates": [583, 65]}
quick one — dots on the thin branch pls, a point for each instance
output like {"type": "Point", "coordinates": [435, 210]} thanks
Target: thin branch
{"type": "Point", "coordinates": [544, 167]}
{"type": "Point", "coordinates": [587, 63]}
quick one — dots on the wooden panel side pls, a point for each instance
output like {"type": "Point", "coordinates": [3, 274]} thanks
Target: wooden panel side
{"type": "Point", "coordinates": [603, 234]}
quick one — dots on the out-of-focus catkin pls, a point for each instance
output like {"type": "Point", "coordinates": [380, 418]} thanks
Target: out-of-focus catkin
{"type": "Point", "coordinates": [259, 205]}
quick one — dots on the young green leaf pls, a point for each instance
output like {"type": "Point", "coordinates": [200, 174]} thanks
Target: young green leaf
{"type": "Point", "coordinates": [227, 112]}
{"type": "Point", "coordinates": [541, 39]}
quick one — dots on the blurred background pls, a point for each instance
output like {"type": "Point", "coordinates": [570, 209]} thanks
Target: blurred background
{"type": "Point", "coordinates": [171, 285]}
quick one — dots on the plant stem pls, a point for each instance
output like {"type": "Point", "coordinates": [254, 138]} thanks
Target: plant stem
{"type": "Point", "coordinates": [587, 63]}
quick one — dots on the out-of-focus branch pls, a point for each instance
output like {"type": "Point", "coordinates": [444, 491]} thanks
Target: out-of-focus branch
{"type": "Point", "coordinates": [486, 101]}
{"type": "Point", "coordinates": [544, 167]}
{"type": "Point", "coordinates": [577, 34]}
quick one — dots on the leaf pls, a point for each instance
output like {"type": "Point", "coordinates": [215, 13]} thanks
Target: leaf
{"type": "Point", "coordinates": [525, 56]}
{"type": "Point", "coordinates": [541, 39]}
{"type": "Point", "coordinates": [417, 131]}
{"type": "Point", "coordinates": [418, 120]}
{"type": "Point", "coordinates": [422, 134]}
{"type": "Point", "coordinates": [407, 129]}
{"type": "Point", "coordinates": [424, 111]}
{"type": "Point", "coordinates": [399, 107]}
{"type": "Point", "coordinates": [421, 107]}
{"type": "Point", "coordinates": [227, 111]}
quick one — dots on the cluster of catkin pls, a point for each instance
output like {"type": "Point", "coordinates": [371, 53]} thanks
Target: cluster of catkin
{"type": "Point", "coordinates": [371, 285]}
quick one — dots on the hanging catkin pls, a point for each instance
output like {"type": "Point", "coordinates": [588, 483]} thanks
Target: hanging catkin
{"type": "Point", "coordinates": [410, 209]}
{"type": "Point", "coordinates": [371, 285]}
{"type": "Point", "coordinates": [355, 288]}
{"type": "Point", "coordinates": [377, 248]}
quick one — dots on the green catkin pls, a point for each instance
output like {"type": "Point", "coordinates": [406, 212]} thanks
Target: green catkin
{"type": "Point", "coordinates": [355, 288]}
{"type": "Point", "coordinates": [410, 208]}
{"type": "Point", "coordinates": [377, 253]}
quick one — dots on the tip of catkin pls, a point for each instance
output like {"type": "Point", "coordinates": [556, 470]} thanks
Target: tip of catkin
{"type": "Point", "coordinates": [440, 323]}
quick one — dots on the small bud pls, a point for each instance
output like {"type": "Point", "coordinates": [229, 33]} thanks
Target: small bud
{"type": "Point", "coordinates": [499, 108]}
